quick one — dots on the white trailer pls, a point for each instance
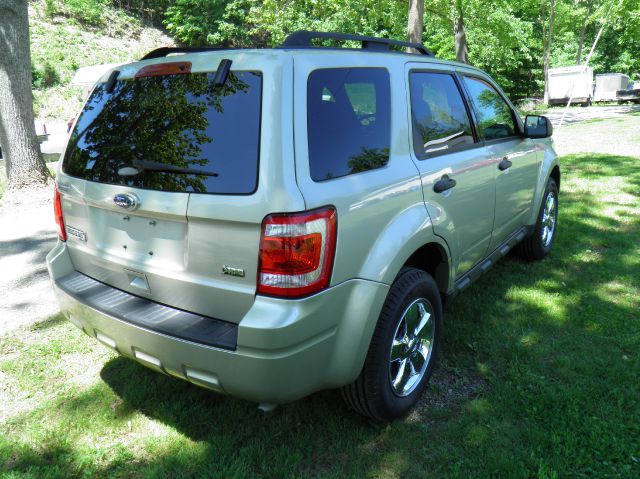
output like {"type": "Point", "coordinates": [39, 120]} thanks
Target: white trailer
{"type": "Point", "coordinates": [608, 84]}
{"type": "Point", "coordinates": [575, 83]}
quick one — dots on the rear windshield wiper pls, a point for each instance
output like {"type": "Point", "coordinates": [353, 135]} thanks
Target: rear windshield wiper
{"type": "Point", "coordinates": [143, 165]}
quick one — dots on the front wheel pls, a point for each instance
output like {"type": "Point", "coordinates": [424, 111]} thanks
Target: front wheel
{"type": "Point", "coordinates": [403, 349]}
{"type": "Point", "coordinates": [539, 243]}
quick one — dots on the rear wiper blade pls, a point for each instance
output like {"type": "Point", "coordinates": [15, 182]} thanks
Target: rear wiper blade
{"type": "Point", "coordinates": [162, 167]}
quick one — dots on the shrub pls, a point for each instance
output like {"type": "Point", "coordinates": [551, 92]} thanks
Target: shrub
{"type": "Point", "coordinates": [91, 12]}
{"type": "Point", "coordinates": [46, 77]}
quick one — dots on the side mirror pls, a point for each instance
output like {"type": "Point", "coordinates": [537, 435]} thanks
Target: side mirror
{"type": "Point", "coordinates": [536, 126]}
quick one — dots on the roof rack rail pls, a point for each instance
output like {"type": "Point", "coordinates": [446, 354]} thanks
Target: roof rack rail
{"type": "Point", "coordinates": [303, 38]}
{"type": "Point", "coordinates": [165, 51]}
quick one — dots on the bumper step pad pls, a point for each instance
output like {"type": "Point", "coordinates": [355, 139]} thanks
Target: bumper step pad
{"type": "Point", "coordinates": [149, 314]}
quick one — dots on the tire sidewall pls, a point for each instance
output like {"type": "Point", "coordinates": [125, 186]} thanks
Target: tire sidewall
{"type": "Point", "coordinates": [421, 288]}
{"type": "Point", "coordinates": [540, 249]}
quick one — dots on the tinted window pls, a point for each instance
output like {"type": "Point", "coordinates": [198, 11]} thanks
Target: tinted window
{"type": "Point", "coordinates": [181, 121]}
{"type": "Point", "coordinates": [495, 119]}
{"type": "Point", "coordinates": [348, 119]}
{"type": "Point", "coordinates": [440, 119]}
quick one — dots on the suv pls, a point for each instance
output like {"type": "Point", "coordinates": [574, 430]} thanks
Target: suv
{"type": "Point", "coordinates": [271, 223]}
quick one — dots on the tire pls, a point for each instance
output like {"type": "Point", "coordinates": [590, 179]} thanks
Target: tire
{"type": "Point", "coordinates": [382, 391]}
{"type": "Point", "coordinates": [538, 244]}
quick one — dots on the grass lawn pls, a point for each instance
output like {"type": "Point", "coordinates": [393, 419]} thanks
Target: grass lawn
{"type": "Point", "coordinates": [540, 378]}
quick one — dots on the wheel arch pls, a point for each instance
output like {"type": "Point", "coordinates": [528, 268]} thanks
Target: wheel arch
{"type": "Point", "coordinates": [550, 168]}
{"type": "Point", "coordinates": [555, 174]}
{"type": "Point", "coordinates": [432, 258]}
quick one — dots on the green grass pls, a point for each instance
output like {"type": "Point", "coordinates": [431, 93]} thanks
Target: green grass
{"type": "Point", "coordinates": [539, 378]}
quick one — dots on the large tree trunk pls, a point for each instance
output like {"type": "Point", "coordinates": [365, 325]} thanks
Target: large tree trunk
{"type": "Point", "coordinates": [415, 26]}
{"type": "Point", "coordinates": [460, 37]}
{"type": "Point", "coordinates": [582, 32]}
{"type": "Point", "coordinates": [23, 161]}
{"type": "Point", "coordinates": [547, 52]}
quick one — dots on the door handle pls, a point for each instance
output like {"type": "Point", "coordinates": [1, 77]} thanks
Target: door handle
{"type": "Point", "coordinates": [443, 184]}
{"type": "Point", "coordinates": [505, 164]}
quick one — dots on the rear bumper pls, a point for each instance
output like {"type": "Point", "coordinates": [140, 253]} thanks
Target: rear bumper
{"type": "Point", "coordinates": [285, 350]}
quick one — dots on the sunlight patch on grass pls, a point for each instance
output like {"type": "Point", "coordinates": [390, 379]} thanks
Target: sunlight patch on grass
{"type": "Point", "coordinates": [530, 339]}
{"type": "Point", "coordinates": [551, 306]}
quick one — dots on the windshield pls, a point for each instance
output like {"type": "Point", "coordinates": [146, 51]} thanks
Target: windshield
{"type": "Point", "coordinates": [207, 135]}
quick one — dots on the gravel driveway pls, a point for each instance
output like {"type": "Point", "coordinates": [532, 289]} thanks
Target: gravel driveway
{"type": "Point", "coordinates": [579, 114]}
{"type": "Point", "coordinates": [26, 236]}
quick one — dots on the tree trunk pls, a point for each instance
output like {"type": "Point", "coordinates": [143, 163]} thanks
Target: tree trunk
{"type": "Point", "coordinates": [23, 161]}
{"type": "Point", "coordinates": [547, 52]}
{"type": "Point", "coordinates": [415, 26]}
{"type": "Point", "coordinates": [462, 49]}
{"type": "Point", "coordinates": [582, 32]}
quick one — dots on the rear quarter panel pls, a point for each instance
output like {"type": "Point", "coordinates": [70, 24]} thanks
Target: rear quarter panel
{"type": "Point", "coordinates": [382, 218]}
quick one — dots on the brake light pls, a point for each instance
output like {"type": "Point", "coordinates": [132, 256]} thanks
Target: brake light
{"type": "Point", "coordinates": [160, 69]}
{"type": "Point", "coordinates": [57, 212]}
{"type": "Point", "coordinates": [297, 252]}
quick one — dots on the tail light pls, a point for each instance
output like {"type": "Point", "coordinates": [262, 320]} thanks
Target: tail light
{"type": "Point", "coordinates": [57, 212]}
{"type": "Point", "coordinates": [297, 252]}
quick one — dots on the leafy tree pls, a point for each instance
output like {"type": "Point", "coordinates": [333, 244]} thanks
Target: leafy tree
{"type": "Point", "coordinates": [210, 22]}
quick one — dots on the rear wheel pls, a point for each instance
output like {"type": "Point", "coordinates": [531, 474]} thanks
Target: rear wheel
{"type": "Point", "coordinates": [539, 243]}
{"type": "Point", "coordinates": [403, 349]}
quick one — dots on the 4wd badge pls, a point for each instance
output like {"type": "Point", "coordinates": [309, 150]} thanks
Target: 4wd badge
{"type": "Point", "coordinates": [231, 271]}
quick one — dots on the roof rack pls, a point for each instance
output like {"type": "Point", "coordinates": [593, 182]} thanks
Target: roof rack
{"type": "Point", "coordinates": [303, 39]}
{"type": "Point", "coordinates": [166, 51]}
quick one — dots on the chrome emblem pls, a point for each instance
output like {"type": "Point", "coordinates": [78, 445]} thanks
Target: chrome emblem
{"type": "Point", "coordinates": [76, 233]}
{"type": "Point", "coordinates": [231, 271]}
{"type": "Point", "coordinates": [127, 201]}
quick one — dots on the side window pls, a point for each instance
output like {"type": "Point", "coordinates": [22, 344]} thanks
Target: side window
{"type": "Point", "coordinates": [348, 121]}
{"type": "Point", "coordinates": [495, 118]}
{"type": "Point", "coordinates": [440, 119]}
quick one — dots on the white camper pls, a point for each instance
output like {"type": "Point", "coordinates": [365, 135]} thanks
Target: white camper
{"type": "Point", "coordinates": [575, 83]}
{"type": "Point", "coordinates": [607, 85]}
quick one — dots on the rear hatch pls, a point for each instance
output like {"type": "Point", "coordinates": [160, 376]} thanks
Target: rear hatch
{"type": "Point", "coordinates": [161, 181]}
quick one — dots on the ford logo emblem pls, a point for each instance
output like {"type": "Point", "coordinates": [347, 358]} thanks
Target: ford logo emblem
{"type": "Point", "coordinates": [127, 201]}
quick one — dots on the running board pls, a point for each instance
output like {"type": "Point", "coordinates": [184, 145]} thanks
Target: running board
{"type": "Point", "coordinates": [485, 265]}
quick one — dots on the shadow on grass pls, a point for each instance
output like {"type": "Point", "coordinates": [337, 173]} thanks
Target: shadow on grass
{"type": "Point", "coordinates": [556, 342]}
{"type": "Point", "coordinates": [48, 323]}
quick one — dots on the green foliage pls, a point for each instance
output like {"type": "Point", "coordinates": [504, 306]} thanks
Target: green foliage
{"type": "Point", "coordinates": [209, 22]}
{"type": "Point", "coordinates": [46, 77]}
{"type": "Point", "coordinates": [274, 19]}
{"type": "Point", "coordinates": [504, 37]}
{"type": "Point", "coordinates": [149, 11]}
{"type": "Point", "coordinates": [91, 12]}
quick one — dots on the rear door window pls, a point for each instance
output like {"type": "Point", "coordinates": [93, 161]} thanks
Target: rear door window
{"type": "Point", "coordinates": [495, 117]}
{"type": "Point", "coordinates": [439, 116]}
{"type": "Point", "coordinates": [205, 138]}
{"type": "Point", "coordinates": [348, 121]}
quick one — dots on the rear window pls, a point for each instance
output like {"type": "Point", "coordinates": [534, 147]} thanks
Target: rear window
{"type": "Point", "coordinates": [440, 119]}
{"type": "Point", "coordinates": [348, 120]}
{"type": "Point", "coordinates": [172, 122]}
